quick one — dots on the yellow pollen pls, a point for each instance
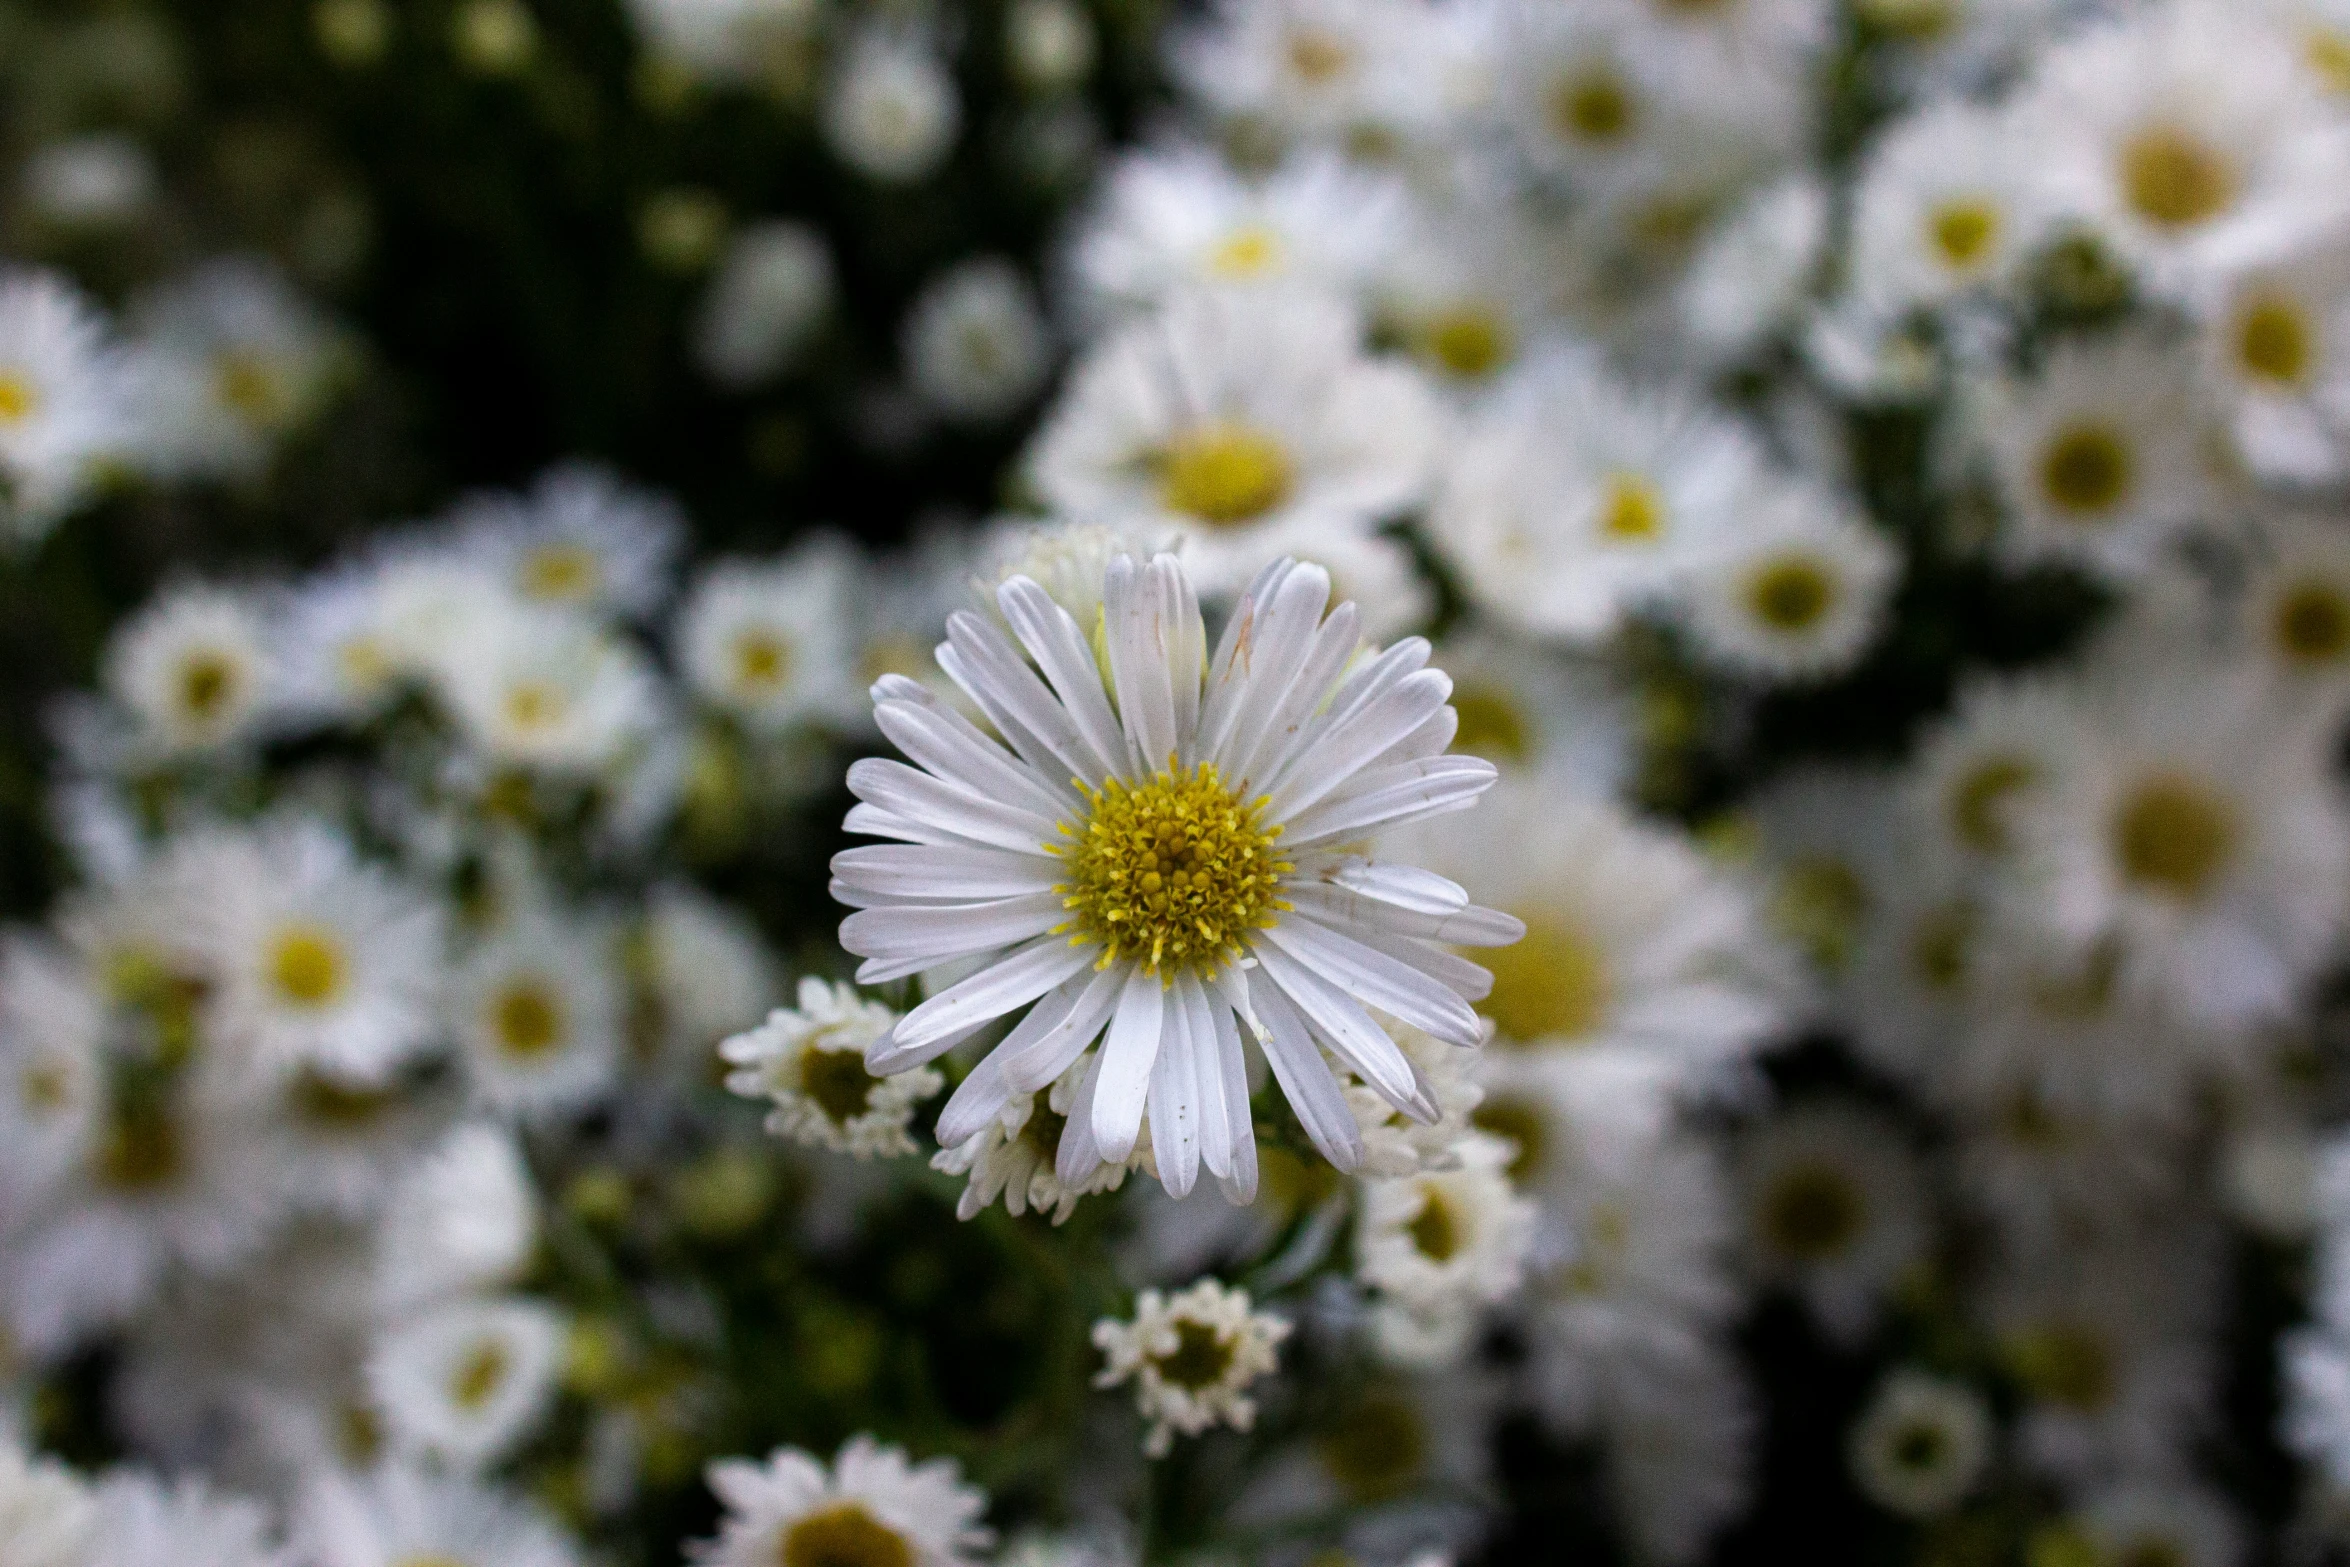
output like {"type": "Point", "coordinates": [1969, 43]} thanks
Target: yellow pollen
{"type": "Point", "coordinates": [2173, 180]}
{"type": "Point", "coordinates": [1224, 473]}
{"type": "Point", "coordinates": [1199, 1359]}
{"type": "Point", "coordinates": [19, 400]}
{"type": "Point", "coordinates": [1173, 873]}
{"type": "Point", "coordinates": [1249, 252]}
{"type": "Point", "coordinates": [1470, 342]}
{"type": "Point", "coordinates": [762, 661]}
{"type": "Point", "coordinates": [1791, 595]}
{"type": "Point", "coordinates": [2273, 341]}
{"type": "Point", "coordinates": [1318, 57]}
{"type": "Point", "coordinates": [528, 1022]}
{"type": "Point", "coordinates": [564, 572]}
{"type": "Point", "coordinates": [1632, 510]}
{"type": "Point", "coordinates": [2312, 622]}
{"type": "Point", "coordinates": [2174, 834]}
{"type": "Point", "coordinates": [1553, 984]}
{"type": "Point", "coordinates": [2085, 471]}
{"type": "Point", "coordinates": [1978, 798]}
{"type": "Point", "coordinates": [1963, 232]}
{"type": "Point", "coordinates": [307, 966]}
{"type": "Point", "coordinates": [247, 385]}
{"type": "Point", "coordinates": [208, 684]}
{"type": "Point", "coordinates": [843, 1534]}
{"type": "Point", "coordinates": [479, 1375]}
{"type": "Point", "coordinates": [2328, 52]}
{"type": "Point", "coordinates": [1592, 106]}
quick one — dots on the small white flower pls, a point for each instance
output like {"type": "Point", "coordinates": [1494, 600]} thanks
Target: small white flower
{"type": "Point", "coordinates": [1798, 592]}
{"type": "Point", "coordinates": [52, 1068]}
{"type": "Point", "coordinates": [544, 688]}
{"type": "Point", "coordinates": [579, 538]}
{"type": "Point", "coordinates": [770, 642]}
{"type": "Point", "coordinates": [237, 361]}
{"type": "Point", "coordinates": [465, 1382]}
{"type": "Point", "coordinates": [2294, 611]}
{"type": "Point", "coordinates": [399, 1516]}
{"type": "Point", "coordinates": [868, 1508]}
{"type": "Point", "coordinates": [1439, 1245]}
{"type": "Point", "coordinates": [976, 345]}
{"type": "Point", "coordinates": [1754, 268]}
{"type": "Point", "coordinates": [463, 1219]}
{"type": "Point", "coordinates": [893, 111]}
{"type": "Point", "coordinates": [1015, 1156]}
{"type": "Point", "coordinates": [1921, 1444]}
{"type": "Point", "coordinates": [811, 1061]}
{"type": "Point", "coordinates": [2276, 345]}
{"type": "Point", "coordinates": [66, 401]}
{"type": "Point", "coordinates": [1945, 208]}
{"type": "Point", "coordinates": [194, 669]}
{"type": "Point", "coordinates": [708, 968]}
{"type": "Point", "coordinates": [772, 288]}
{"type": "Point", "coordinates": [537, 1010]}
{"type": "Point", "coordinates": [1191, 1356]}
{"type": "Point", "coordinates": [100, 180]}
{"type": "Point", "coordinates": [1834, 1209]}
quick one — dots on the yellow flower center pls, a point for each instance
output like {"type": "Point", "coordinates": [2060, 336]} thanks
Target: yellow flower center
{"type": "Point", "coordinates": [44, 1087]}
{"type": "Point", "coordinates": [19, 399]}
{"type": "Point", "coordinates": [1820, 904]}
{"type": "Point", "coordinates": [2273, 341]}
{"type": "Point", "coordinates": [141, 1151]}
{"type": "Point", "coordinates": [322, 1102]}
{"type": "Point", "coordinates": [1631, 509]}
{"type": "Point", "coordinates": [1199, 1359]}
{"type": "Point", "coordinates": [307, 965]}
{"type": "Point", "coordinates": [533, 705]}
{"type": "Point", "coordinates": [1963, 232]}
{"type": "Point", "coordinates": [1317, 57]}
{"type": "Point", "coordinates": [1593, 106]}
{"type": "Point", "coordinates": [248, 386]}
{"type": "Point", "coordinates": [2312, 622]}
{"type": "Point", "coordinates": [2085, 470]}
{"type": "Point", "coordinates": [1554, 983]}
{"type": "Point", "coordinates": [526, 1020]}
{"type": "Point", "coordinates": [2064, 1363]}
{"type": "Point", "coordinates": [1811, 1212]}
{"type": "Point", "coordinates": [479, 1375]}
{"type": "Point", "coordinates": [1224, 473]}
{"type": "Point", "coordinates": [562, 572]}
{"type": "Point", "coordinates": [1791, 595]}
{"type": "Point", "coordinates": [838, 1082]}
{"type": "Point", "coordinates": [1376, 1449]}
{"type": "Point", "coordinates": [2173, 180]}
{"type": "Point", "coordinates": [2328, 53]}
{"type": "Point", "coordinates": [2174, 835]}
{"type": "Point", "coordinates": [1251, 251]}
{"type": "Point", "coordinates": [1436, 1230]}
{"type": "Point", "coordinates": [1470, 341]}
{"type": "Point", "coordinates": [1490, 724]}
{"type": "Point", "coordinates": [1978, 797]}
{"type": "Point", "coordinates": [1173, 872]}
{"type": "Point", "coordinates": [762, 661]}
{"type": "Point", "coordinates": [208, 683]}
{"type": "Point", "coordinates": [1519, 1120]}
{"type": "Point", "coordinates": [1939, 946]}
{"type": "Point", "coordinates": [843, 1534]}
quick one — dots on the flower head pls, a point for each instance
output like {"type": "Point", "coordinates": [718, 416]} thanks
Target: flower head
{"type": "Point", "coordinates": [1190, 1356]}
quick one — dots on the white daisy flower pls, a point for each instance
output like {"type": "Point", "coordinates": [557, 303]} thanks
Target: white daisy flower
{"type": "Point", "coordinates": [2164, 1520]}
{"type": "Point", "coordinates": [707, 969]}
{"type": "Point", "coordinates": [2100, 458]}
{"type": "Point", "coordinates": [1921, 1444]}
{"type": "Point", "coordinates": [1321, 70]}
{"type": "Point", "coordinates": [1069, 560]}
{"type": "Point", "coordinates": [1439, 1245]}
{"type": "Point", "coordinates": [975, 344]}
{"type": "Point", "coordinates": [2276, 345]}
{"type": "Point", "coordinates": [1750, 276]}
{"type": "Point", "coordinates": [1192, 1357]}
{"type": "Point", "coordinates": [2003, 741]}
{"type": "Point", "coordinates": [893, 111]}
{"type": "Point", "coordinates": [537, 1011]}
{"type": "Point", "coordinates": [1799, 592]}
{"type": "Point", "coordinates": [398, 1516]}
{"type": "Point", "coordinates": [1574, 500]}
{"type": "Point", "coordinates": [2192, 142]}
{"type": "Point", "coordinates": [1830, 845]}
{"type": "Point", "coordinates": [1468, 289]}
{"type": "Point", "coordinates": [1397, 1145]}
{"type": "Point", "coordinates": [1016, 1156]}
{"type": "Point", "coordinates": [1835, 1209]}
{"type": "Point", "coordinates": [1052, 44]}
{"type": "Point", "coordinates": [1182, 216]}
{"type": "Point", "coordinates": [1945, 208]}
{"type": "Point", "coordinates": [810, 1060]}
{"type": "Point", "coordinates": [1229, 415]}
{"type": "Point", "coordinates": [342, 658]}
{"type": "Point", "coordinates": [195, 669]}
{"type": "Point", "coordinates": [1196, 877]}
{"type": "Point", "coordinates": [770, 642]}
{"type": "Point", "coordinates": [544, 688]}
{"type": "Point", "coordinates": [321, 960]}
{"type": "Point", "coordinates": [580, 538]}
{"type": "Point", "coordinates": [771, 289]}
{"type": "Point", "coordinates": [465, 1382]}
{"type": "Point", "coordinates": [146, 1522]}
{"type": "Point", "coordinates": [53, 1091]}
{"type": "Point", "coordinates": [66, 401]}
{"type": "Point", "coordinates": [868, 1508]}
{"type": "Point", "coordinates": [237, 361]}
{"type": "Point", "coordinates": [462, 1220]}
{"type": "Point", "coordinates": [2294, 612]}
{"type": "Point", "coordinates": [339, 1142]}
{"type": "Point", "coordinates": [47, 1514]}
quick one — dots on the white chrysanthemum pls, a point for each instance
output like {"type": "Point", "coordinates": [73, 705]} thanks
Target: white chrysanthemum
{"type": "Point", "coordinates": [2294, 611]}
{"type": "Point", "coordinates": [976, 345]}
{"type": "Point", "coordinates": [1945, 208]}
{"type": "Point", "coordinates": [772, 287]}
{"type": "Point", "coordinates": [1069, 560]}
{"type": "Point", "coordinates": [1397, 1145]}
{"type": "Point", "coordinates": [194, 669]}
{"type": "Point", "coordinates": [546, 688]}
{"type": "Point", "coordinates": [2100, 457]}
{"type": "Point", "coordinates": [1679, 1444]}
{"type": "Point", "coordinates": [1574, 500]}
{"type": "Point", "coordinates": [66, 401]}
{"type": "Point", "coordinates": [1230, 416]}
{"type": "Point", "coordinates": [52, 1069]}
{"type": "Point", "coordinates": [868, 1508]}
{"type": "Point", "coordinates": [2198, 832]}
{"type": "Point", "coordinates": [579, 538]}
{"type": "Point", "coordinates": [1314, 69]}
{"type": "Point", "coordinates": [1834, 1209]}
{"type": "Point", "coordinates": [1921, 1444]}
{"type": "Point", "coordinates": [236, 361]}
{"type": "Point", "coordinates": [1192, 1357]}
{"type": "Point", "coordinates": [1915, 972]}
{"type": "Point", "coordinates": [893, 110]}
{"type": "Point", "coordinates": [1798, 591]}
{"type": "Point", "coordinates": [1633, 941]}
{"type": "Point", "coordinates": [341, 658]}
{"type": "Point", "coordinates": [1015, 1153]}
{"type": "Point", "coordinates": [463, 1219]}
{"type": "Point", "coordinates": [1830, 846]}
{"type": "Point", "coordinates": [1198, 876]}
{"type": "Point", "coordinates": [1751, 274]}
{"type": "Point", "coordinates": [1528, 708]}
{"type": "Point", "coordinates": [2003, 742]}
{"type": "Point", "coordinates": [1181, 217]}
{"type": "Point", "coordinates": [770, 643]}
{"type": "Point", "coordinates": [398, 1516]}
{"type": "Point", "coordinates": [731, 41]}
{"type": "Point", "coordinates": [2191, 141]}
{"type": "Point", "coordinates": [537, 1010]}
{"type": "Point", "coordinates": [2276, 345]}
{"type": "Point", "coordinates": [810, 1060]}
{"type": "Point", "coordinates": [321, 960]}
{"type": "Point", "coordinates": [465, 1382]}
{"type": "Point", "coordinates": [47, 1516]}
{"type": "Point", "coordinates": [1439, 1245]}
{"type": "Point", "coordinates": [146, 1522]}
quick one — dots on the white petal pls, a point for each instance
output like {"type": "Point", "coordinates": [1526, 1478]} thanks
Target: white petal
{"type": "Point", "coordinates": [1239, 1136]}
{"type": "Point", "coordinates": [942, 741]}
{"type": "Point", "coordinates": [1139, 662]}
{"type": "Point", "coordinates": [1347, 747]}
{"type": "Point", "coordinates": [1267, 724]}
{"type": "Point", "coordinates": [1369, 678]}
{"type": "Point", "coordinates": [1377, 980]}
{"type": "Point", "coordinates": [1347, 1029]}
{"type": "Point", "coordinates": [1127, 1057]}
{"type": "Point", "coordinates": [1263, 646]}
{"type": "Point", "coordinates": [993, 991]}
{"type": "Point", "coordinates": [1174, 1102]}
{"type": "Point", "coordinates": [991, 671]}
{"type": "Point", "coordinates": [1079, 1155]}
{"type": "Point", "coordinates": [1215, 1107]}
{"type": "Point", "coordinates": [1034, 1057]}
{"type": "Point", "coordinates": [916, 871]}
{"type": "Point", "coordinates": [1470, 981]}
{"type": "Point", "coordinates": [940, 932]}
{"type": "Point", "coordinates": [871, 821]}
{"type": "Point", "coordinates": [917, 796]}
{"type": "Point", "coordinates": [977, 1100]}
{"type": "Point", "coordinates": [1059, 647]}
{"type": "Point", "coordinates": [1389, 797]}
{"type": "Point", "coordinates": [1404, 886]}
{"type": "Point", "coordinates": [1471, 927]}
{"type": "Point", "coordinates": [885, 1057]}
{"type": "Point", "coordinates": [1305, 1078]}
